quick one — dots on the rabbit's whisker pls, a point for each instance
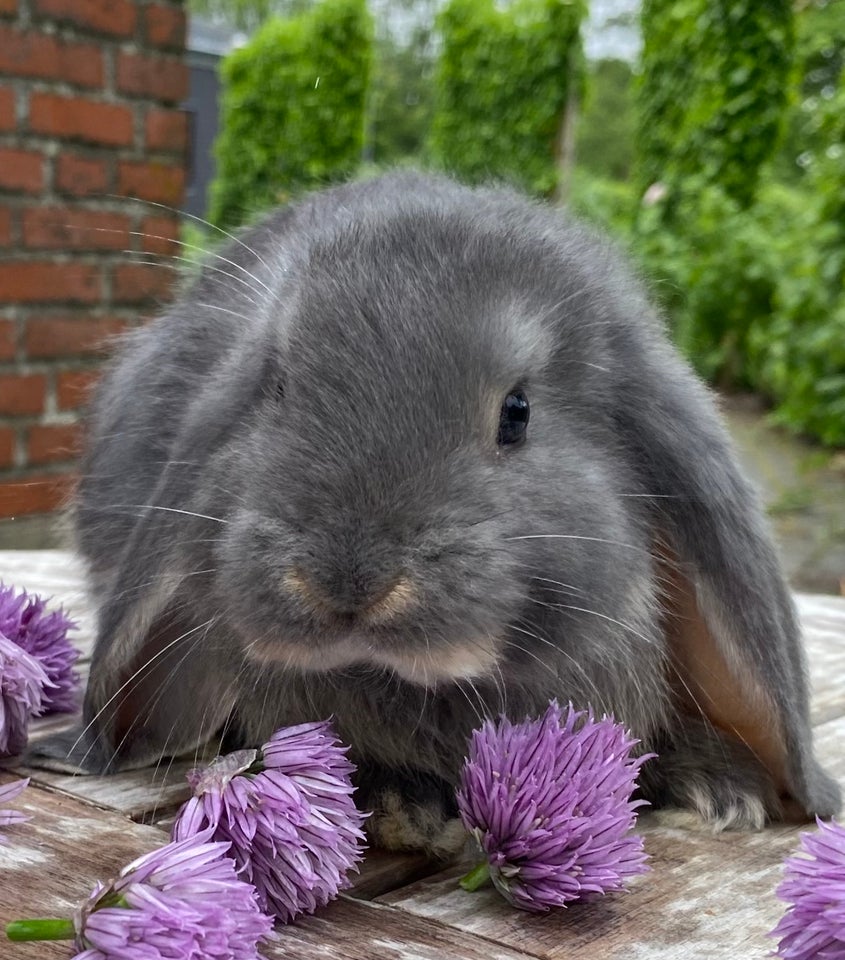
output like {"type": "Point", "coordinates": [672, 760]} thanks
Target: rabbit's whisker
{"type": "Point", "coordinates": [579, 668]}
{"type": "Point", "coordinates": [473, 707]}
{"type": "Point", "coordinates": [153, 506]}
{"type": "Point", "coordinates": [558, 583]}
{"type": "Point", "coordinates": [517, 646]}
{"type": "Point", "coordinates": [219, 309]}
{"type": "Point", "coordinates": [196, 219]}
{"type": "Point", "coordinates": [595, 613]}
{"type": "Point", "coordinates": [572, 536]}
{"type": "Point", "coordinates": [165, 257]}
{"type": "Point", "coordinates": [139, 259]}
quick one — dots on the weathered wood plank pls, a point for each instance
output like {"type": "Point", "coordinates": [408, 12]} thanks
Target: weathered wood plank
{"type": "Point", "coordinates": [830, 747]}
{"type": "Point", "coordinates": [54, 860]}
{"type": "Point", "coordinates": [352, 930]}
{"type": "Point", "coordinates": [823, 620]}
{"type": "Point", "coordinates": [142, 795]}
{"type": "Point", "coordinates": [382, 871]}
{"type": "Point", "coordinates": [707, 895]}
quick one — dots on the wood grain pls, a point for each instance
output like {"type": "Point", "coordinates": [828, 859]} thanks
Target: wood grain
{"type": "Point", "coordinates": [53, 860]}
{"type": "Point", "coordinates": [707, 896]}
{"type": "Point", "coordinates": [352, 930]}
{"type": "Point", "coordinates": [143, 795]}
{"type": "Point", "coordinates": [823, 620]}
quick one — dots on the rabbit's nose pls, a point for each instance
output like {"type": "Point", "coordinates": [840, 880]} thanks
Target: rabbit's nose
{"type": "Point", "coordinates": [352, 597]}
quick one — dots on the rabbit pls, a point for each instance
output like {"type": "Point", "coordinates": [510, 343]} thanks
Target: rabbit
{"type": "Point", "coordinates": [411, 454]}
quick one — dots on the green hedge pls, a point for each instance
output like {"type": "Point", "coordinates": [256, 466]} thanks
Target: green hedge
{"type": "Point", "coordinates": [292, 113]}
{"type": "Point", "coordinates": [715, 81]}
{"type": "Point", "coordinates": [755, 296]}
{"type": "Point", "coordinates": [502, 82]}
{"type": "Point", "coordinates": [801, 353]}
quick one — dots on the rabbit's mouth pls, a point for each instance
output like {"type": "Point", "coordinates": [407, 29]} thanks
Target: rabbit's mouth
{"type": "Point", "coordinates": [466, 660]}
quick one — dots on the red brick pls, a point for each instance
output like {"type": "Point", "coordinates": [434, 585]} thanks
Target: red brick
{"type": "Point", "coordinates": [37, 493]}
{"type": "Point", "coordinates": [166, 130]}
{"type": "Point", "coordinates": [159, 78]}
{"type": "Point", "coordinates": [47, 443]}
{"type": "Point", "coordinates": [139, 283]}
{"type": "Point", "coordinates": [21, 394]}
{"type": "Point", "coordinates": [165, 26]}
{"type": "Point", "coordinates": [65, 335]}
{"type": "Point", "coordinates": [34, 282]}
{"type": "Point", "coordinates": [115, 17]}
{"type": "Point", "coordinates": [25, 53]}
{"type": "Point", "coordinates": [81, 176]}
{"type": "Point", "coordinates": [5, 227]}
{"type": "Point", "coordinates": [21, 170]}
{"type": "Point", "coordinates": [73, 387]}
{"type": "Point", "coordinates": [158, 182]}
{"type": "Point", "coordinates": [80, 119]}
{"type": "Point", "coordinates": [8, 339]}
{"type": "Point", "coordinates": [136, 282]}
{"type": "Point", "coordinates": [160, 235]}
{"type": "Point", "coordinates": [7, 109]}
{"type": "Point", "coordinates": [7, 446]}
{"type": "Point", "coordinates": [62, 228]}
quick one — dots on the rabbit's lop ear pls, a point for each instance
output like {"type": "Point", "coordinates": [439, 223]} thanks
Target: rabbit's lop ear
{"type": "Point", "coordinates": [159, 689]}
{"type": "Point", "coordinates": [160, 681]}
{"type": "Point", "coordinates": [735, 652]}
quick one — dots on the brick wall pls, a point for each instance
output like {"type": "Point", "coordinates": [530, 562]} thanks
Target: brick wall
{"type": "Point", "coordinates": [89, 126]}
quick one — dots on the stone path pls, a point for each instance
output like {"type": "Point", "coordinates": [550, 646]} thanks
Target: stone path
{"type": "Point", "coordinates": [804, 490]}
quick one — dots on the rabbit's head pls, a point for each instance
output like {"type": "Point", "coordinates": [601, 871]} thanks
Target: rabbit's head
{"type": "Point", "coordinates": [432, 453]}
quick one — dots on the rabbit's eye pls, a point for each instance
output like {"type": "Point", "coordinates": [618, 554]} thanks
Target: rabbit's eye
{"type": "Point", "coordinates": [513, 419]}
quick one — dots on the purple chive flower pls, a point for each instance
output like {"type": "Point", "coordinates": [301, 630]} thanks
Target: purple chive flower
{"type": "Point", "coordinates": [287, 811]}
{"type": "Point", "coordinates": [814, 887]}
{"type": "Point", "coordinates": [22, 683]}
{"type": "Point", "coordinates": [8, 793]}
{"type": "Point", "coordinates": [184, 900]}
{"type": "Point", "coordinates": [549, 803]}
{"type": "Point", "coordinates": [25, 621]}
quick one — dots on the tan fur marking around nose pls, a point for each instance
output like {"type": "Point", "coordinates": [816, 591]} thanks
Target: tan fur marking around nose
{"type": "Point", "coordinates": [300, 587]}
{"type": "Point", "coordinates": [395, 602]}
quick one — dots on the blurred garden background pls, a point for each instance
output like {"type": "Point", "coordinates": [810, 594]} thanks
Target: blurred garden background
{"type": "Point", "coordinates": [706, 136]}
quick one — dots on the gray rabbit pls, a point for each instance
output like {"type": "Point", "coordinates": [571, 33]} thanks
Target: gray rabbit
{"type": "Point", "coordinates": [408, 454]}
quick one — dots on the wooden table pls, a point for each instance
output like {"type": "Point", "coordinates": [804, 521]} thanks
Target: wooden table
{"type": "Point", "coordinates": [707, 897]}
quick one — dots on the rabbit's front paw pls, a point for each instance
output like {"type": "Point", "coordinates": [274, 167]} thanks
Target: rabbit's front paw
{"type": "Point", "coordinates": [411, 810]}
{"type": "Point", "coordinates": [718, 778]}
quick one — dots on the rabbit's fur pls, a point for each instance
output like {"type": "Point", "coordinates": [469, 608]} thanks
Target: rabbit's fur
{"type": "Point", "coordinates": [294, 506]}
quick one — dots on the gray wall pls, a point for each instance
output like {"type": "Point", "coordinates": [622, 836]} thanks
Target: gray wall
{"type": "Point", "coordinates": [202, 107]}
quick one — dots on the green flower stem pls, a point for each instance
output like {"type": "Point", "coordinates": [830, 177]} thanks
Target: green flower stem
{"type": "Point", "coordinates": [477, 877]}
{"type": "Point", "coordinates": [44, 928]}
